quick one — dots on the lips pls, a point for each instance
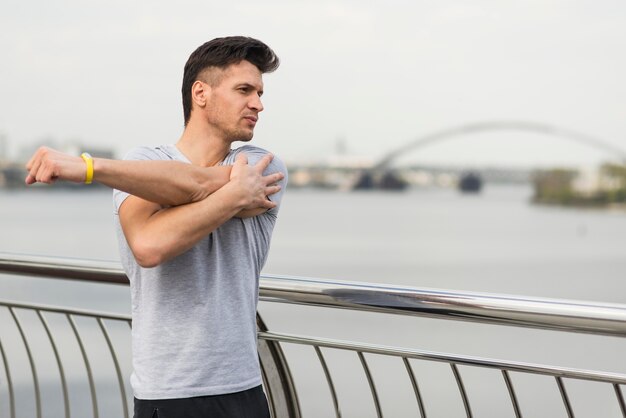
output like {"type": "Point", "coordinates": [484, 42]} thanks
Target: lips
{"type": "Point", "coordinates": [251, 118]}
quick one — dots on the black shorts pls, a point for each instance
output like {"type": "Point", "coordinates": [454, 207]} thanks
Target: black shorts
{"type": "Point", "coordinates": [250, 403]}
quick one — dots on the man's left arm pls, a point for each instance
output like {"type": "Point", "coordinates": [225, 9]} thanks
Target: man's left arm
{"type": "Point", "coordinates": [169, 183]}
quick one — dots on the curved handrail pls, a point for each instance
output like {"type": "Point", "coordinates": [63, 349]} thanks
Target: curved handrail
{"type": "Point", "coordinates": [63, 268]}
{"type": "Point", "coordinates": [554, 314]}
{"type": "Point", "coordinates": [589, 317]}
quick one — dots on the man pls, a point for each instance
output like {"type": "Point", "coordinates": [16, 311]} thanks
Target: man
{"type": "Point", "coordinates": [194, 225]}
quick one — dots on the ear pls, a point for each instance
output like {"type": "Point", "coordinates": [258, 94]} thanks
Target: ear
{"type": "Point", "coordinates": [200, 92]}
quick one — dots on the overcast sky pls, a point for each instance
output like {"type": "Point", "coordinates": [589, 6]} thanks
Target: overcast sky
{"type": "Point", "coordinates": [373, 74]}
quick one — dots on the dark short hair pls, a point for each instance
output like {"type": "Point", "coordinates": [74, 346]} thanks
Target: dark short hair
{"type": "Point", "coordinates": [220, 53]}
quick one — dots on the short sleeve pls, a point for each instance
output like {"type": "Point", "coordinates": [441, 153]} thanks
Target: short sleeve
{"type": "Point", "coordinates": [137, 154]}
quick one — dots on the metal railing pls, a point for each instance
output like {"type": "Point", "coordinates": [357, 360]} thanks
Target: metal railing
{"type": "Point", "coordinates": [279, 382]}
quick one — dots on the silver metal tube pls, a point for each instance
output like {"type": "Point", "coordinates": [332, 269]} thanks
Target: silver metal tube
{"type": "Point", "coordinates": [511, 366]}
{"type": "Point", "coordinates": [66, 399]}
{"type": "Point", "coordinates": [62, 310]}
{"type": "Point", "coordinates": [63, 268]}
{"type": "Point", "coordinates": [268, 390]}
{"type": "Point", "coordinates": [31, 361]}
{"type": "Point", "coordinates": [566, 402]}
{"type": "Point", "coordinates": [7, 373]}
{"type": "Point", "coordinates": [277, 377]}
{"type": "Point", "coordinates": [553, 314]}
{"type": "Point", "coordinates": [370, 380]}
{"type": "Point", "coordinates": [620, 399]}
{"type": "Point", "coordinates": [459, 382]}
{"type": "Point", "coordinates": [118, 370]}
{"type": "Point", "coordinates": [574, 316]}
{"type": "Point", "coordinates": [416, 389]}
{"type": "Point", "coordinates": [329, 380]}
{"type": "Point", "coordinates": [92, 386]}
{"type": "Point", "coordinates": [511, 389]}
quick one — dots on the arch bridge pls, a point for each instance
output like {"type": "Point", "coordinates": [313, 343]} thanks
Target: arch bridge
{"type": "Point", "coordinates": [381, 169]}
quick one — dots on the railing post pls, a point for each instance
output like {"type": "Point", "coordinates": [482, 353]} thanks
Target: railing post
{"type": "Point", "coordinates": [279, 386]}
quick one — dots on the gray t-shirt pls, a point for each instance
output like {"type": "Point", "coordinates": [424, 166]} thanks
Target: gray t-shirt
{"type": "Point", "coordinates": [194, 317]}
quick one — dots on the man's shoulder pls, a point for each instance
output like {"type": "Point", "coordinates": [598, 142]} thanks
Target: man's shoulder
{"type": "Point", "coordinates": [158, 152]}
{"type": "Point", "coordinates": [250, 149]}
{"type": "Point", "coordinates": [253, 153]}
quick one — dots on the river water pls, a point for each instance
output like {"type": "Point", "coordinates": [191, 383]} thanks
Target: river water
{"type": "Point", "coordinates": [496, 242]}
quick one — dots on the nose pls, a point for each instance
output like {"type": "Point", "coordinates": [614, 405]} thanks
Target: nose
{"type": "Point", "coordinates": [255, 103]}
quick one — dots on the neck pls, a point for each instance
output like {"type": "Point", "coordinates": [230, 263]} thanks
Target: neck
{"type": "Point", "coordinates": [201, 146]}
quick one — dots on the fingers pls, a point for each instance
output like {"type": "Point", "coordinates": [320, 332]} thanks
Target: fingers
{"type": "Point", "coordinates": [262, 165]}
{"type": "Point", "coordinates": [241, 159]}
{"type": "Point", "coordinates": [273, 178]}
{"type": "Point", "coordinates": [268, 204]}
{"type": "Point", "coordinates": [35, 172]}
{"type": "Point", "coordinates": [240, 165]}
{"type": "Point", "coordinates": [253, 184]}
{"type": "Point", "coordinates": [36, 156]}
{"type": "Point", "coordinates": [43, 167]}
{"type": "Point", "coordinates": [45, 173]}
{"type": "Point", "coordinates": [270, 190]}
{"type": "Point", "coordinates": [264, 162]}
{"type": "Point", "coordinates": [30, 179]}
{"type": "Point", "coordinates": [33, 165]}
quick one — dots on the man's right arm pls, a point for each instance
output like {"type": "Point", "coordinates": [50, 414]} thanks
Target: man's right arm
{"type": "Point", "coordinates": [156, 234]}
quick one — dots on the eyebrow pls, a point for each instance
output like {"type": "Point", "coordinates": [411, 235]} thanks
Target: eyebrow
{"type": "Point", "coordinates": [248, 85]}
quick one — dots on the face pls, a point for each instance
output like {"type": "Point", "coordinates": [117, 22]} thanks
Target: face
{"type": "Point", "coordinates": [234, 102]}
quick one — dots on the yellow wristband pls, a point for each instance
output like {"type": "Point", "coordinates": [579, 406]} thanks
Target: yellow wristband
{"type": "Point", "coordinates": [89, 161]}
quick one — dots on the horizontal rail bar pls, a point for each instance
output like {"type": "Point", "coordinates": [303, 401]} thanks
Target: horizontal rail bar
{"type": "Point", "coordinates": [512, 366]}
{"type": "Point", "coordinates": [565, 315]}
{"type": "Point", "coordinates": [63, 268]}
{"type": "Point", "coordinates": [62, 310]}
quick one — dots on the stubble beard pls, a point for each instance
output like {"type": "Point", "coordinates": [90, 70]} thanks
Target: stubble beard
{"type": "Point", "coordinates": [230, 132]}
{"type": "Point", "coordinates": [240, 135]}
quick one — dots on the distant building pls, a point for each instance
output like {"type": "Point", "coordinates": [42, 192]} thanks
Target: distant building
{"type": "Point", "coordinates": [4, 147]}
{"type": "Point", "coordinates": [70, 147]}
{"type": "Point", "coordinates": [591, 187]}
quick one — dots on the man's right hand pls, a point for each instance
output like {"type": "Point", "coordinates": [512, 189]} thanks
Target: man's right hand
{"type": "Point", "coordinates": [251, 186]}
{"type": "Point", "coordinates": [48, 165]}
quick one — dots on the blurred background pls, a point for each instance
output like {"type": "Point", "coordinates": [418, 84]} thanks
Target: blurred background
{"type": "Point", "coordinates": [432, 135]}
{"type": "Point", "coordinates": [462, 145]}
